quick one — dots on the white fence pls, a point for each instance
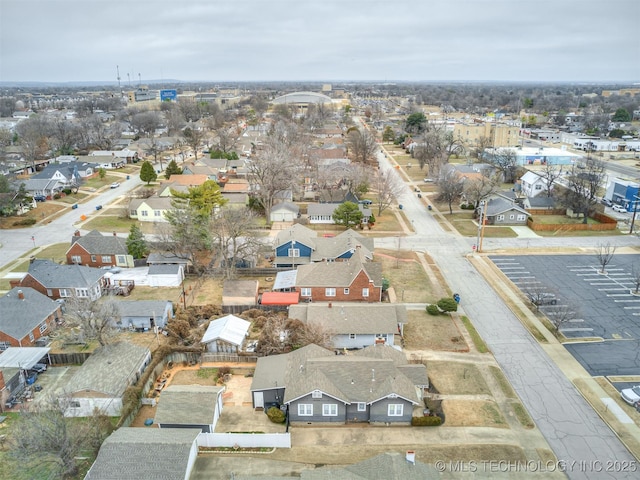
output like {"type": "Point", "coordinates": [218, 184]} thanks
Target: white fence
{"type": "Point", "coordinates": [244, 440]}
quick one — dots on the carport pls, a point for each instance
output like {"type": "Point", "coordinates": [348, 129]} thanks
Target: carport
{"type": "Point", "coordinates": [22, 357]}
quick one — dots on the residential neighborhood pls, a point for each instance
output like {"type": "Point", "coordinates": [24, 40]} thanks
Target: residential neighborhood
{"type": "Point", "coordinates": [303, 282]}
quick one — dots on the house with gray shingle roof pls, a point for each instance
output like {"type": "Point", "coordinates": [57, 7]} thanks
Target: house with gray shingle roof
{"type": "Point", "coordinates": [63, 281]}
{"type": "Point", "coordinates": [284, 212]}
{"type": "Point", "coordinates": [318, 386]}
{"type": "Point", "coordinates": [299, 245]}
{"type": "Point", "coordinates": [25, 316]}
{"type": "Point", "coordinates": [144, 314]}
{"type": "Point", "coordinates": [150, 209]}
{"type": "Point", "coordinates": [353, 280]}
{"type": "Point", "coordinates": [354, 325]}
{"type": "Point", "coordinates": [500, 211]}
{"type": "Point", "coordinates": [167, 275]}
{"type": "Point", "coordinates": [323, 213]}
{"type": "Point", "coordinates": [146, 454]}
{"type": "Point", "coordinates": [190, 406]}
{"type": "Point", "coordinates": [103, 378]}
{"type": "Point", "coordinates": [98, 250]}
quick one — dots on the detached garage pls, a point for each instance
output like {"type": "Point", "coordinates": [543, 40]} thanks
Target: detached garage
{"type": "Point", "coordinates": [284, 212]}
{"type": "Point", "coordinates": [167, 275]}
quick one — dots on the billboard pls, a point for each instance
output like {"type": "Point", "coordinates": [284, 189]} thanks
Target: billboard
{"type": "Point", "coordinates": [168, 95]}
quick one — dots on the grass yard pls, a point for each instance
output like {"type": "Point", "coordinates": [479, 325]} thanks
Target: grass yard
{"type": "Point", "coordinates": [429, 332]}
{"type": "Point", "coordinates": [522, 415]}
{"type": "Point", "coordinates": [505, 386]}
{"type": "Point", "coordinates": [113, 221]}
{"type": "Point", "coordinates": [473, 413]}
{"type": "Point", "coordinates": [457, 378]}
{"type": "Point", "coordinates": [475, 336]}
{"type": "Point", "coordinates": [56, 252]}
{"type": "Point", "coordinates": [44, 210]}
{"type": "Point", "coordinates": [406, 276]}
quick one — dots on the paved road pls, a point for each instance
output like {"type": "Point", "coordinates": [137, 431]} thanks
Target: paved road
{"type": "Point", "coordinates": [16, 243]}
{"type": "Point", "coordinates": [571, 427]}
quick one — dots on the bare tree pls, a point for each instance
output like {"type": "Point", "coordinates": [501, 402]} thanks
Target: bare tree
{"type": "Point", "coordinates": [233, 233]}
{"type": "Point", "coordinates": [435, 147]}
{"type": "Point", "coordinates": [506, 161]}
{"type": "Point", "coordinates": [193, 137]}
{"type": "Point", "coordinates": [561, 314]}
{"type": "Point", "coordinates": [604, 254]}
{"type": "Point", "coordinates": [450, 187]}
{"type": "Point", "coordinates": [227, 138]}
{"type": "Point", "coordinates": [47, 444]}
{"type": "Point", "coordinates": [481, 145]}
{"type": "Point", "coordinates": [33, 137]}
{"type": "Point", "coordinates": [540, 295]}
{"type": "Point", "coordinates": [281, 335]}
{"type": "Point", "coordinates": [583, 186]}
{"type": "Point", "coordinates": [95, 320]}
{"type": "Point", "coordinates": [550, 173]}
{"type": "Point", "coordinates": [477, 189]}
{"type": "Point", "coordinates": [362, 146]}
{"type": "Point", "coordinates": [387, 189]}
{"type": "Point", "coordinates": [63, 135]}
{"type": "Point", "coordinates": [146, 123]}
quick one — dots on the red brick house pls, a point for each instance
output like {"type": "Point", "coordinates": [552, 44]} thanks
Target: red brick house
{"type": "Point", "coordinates": [97, 250]}
{"type": "Point", "coordinates": [63, 281]}
{"type": "Point", "coordinates": [25, 316]}
{"type": "Point", "coordinates": [348, 281]}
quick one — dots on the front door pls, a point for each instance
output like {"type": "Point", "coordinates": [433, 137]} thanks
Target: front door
{"type": "Point", "coordinates": [258, 399]}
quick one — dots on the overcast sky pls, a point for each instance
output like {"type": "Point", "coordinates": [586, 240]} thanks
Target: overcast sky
{"type": "Point", "coordinates": [320, 40]}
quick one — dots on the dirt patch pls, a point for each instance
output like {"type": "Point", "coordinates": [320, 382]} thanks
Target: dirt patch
{"type": "Point", "coordinates": [145, 412]}
{"type": "Point", "coordinates": [451, 378]}
{"type": "Point", "coordinates": [473, 413]}
{"type": "Point", "coordinates": [424, 331]}
{"type": "Point", "coordinates": [199, 376]}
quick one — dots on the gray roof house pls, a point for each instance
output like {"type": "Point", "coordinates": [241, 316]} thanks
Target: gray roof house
{"type": "Point", "coordinates": [190, 406]}
{"type": "Point", "coordinates": [323, 213]}
{"type": "Point", "coordinates": [169, 258]}
{"type": "Point", "coordinates": [354, 325]}
{"type": "Point", "coordinates": [318, 386]}
{"type": "Point", "coordinates": [284, 212]}
{"type": "Point", "coordinates": [25, 316]}
{"type": "Point", "coordinates": [165, 275]}
{"type": "Point", "coordinates": [499, 211]}
{"type": "Point", "coordinates": [146, 454]}
{"type": "Point", "coordinates": [97, 250]}
{"type": "Point", "coordinates": [103, 378]}
{"type": "Point", "coordinates": [144, 314]}
{"type": "Point", "coordinates": [62, 281]}
{"type": "Point", "coordinates": [43, 186]}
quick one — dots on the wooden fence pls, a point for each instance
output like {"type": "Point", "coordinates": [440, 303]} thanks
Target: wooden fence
{"type": "Point", "coordinates": [228, 357]}
{"type": "Point", "coordinates": [58, 359]}
{"type": "Point", "coordinates": [606, 223]}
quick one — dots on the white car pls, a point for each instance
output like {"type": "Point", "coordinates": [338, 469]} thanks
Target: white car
{"type": "Point", "coordinates": [619, 209]}
{"type": "Point", "coordinates": [631, 395]}
{"type": "Point", "coordinates": [115, 185]}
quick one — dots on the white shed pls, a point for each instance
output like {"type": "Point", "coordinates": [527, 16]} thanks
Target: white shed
{"type": "Point", "coordinates": [226, 334]}
{"type": "Point", "coordinates": [167, 275]}
{"type": "Point", "coordinates": [284, 212]}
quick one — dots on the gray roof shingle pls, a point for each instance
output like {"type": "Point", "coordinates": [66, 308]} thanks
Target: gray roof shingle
{"type": "Point", "coordinates": [53, 275]}
{"type": "Point", "coordinates": [18, 316]}
{"type": "Point", "coordinates": [337, 274]}
{"type": "Point", "coordinates": [97, 244]}
{"type": "Point", "coordinates": [188, 405]}
{"type": "Point", "coordinates": [349, 317]}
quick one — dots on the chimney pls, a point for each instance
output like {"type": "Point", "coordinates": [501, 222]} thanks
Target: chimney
{"type": "Point", "coordinates": [76, 233]}
{"type": "Point", "coordinates": [20, 295]}
{"type": "Point", "coordinates": [330, 305]}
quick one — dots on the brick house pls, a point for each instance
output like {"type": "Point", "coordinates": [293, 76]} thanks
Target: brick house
{"type": "Point", "coordinates": [97, 250]}
{"type": "Point", "coordinates": [63, 281]}
{"type": "Point", "coordinates": [348, 281]}
{"type": "Point", "coordinates": [25, 316]}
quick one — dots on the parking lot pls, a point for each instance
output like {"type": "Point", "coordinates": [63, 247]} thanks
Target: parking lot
{"type": "Point", "coordinates": [603, 305]}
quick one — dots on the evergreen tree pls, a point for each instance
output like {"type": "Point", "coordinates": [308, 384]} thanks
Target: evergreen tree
{"type": "Point", "coordinates": [147, 173]}
{"type": "Point", "coordinates": [347, 214]}
{"type": "Point", "coordinates": [136, 244]}
{"type": "Point", "coordinates": [172, 169]}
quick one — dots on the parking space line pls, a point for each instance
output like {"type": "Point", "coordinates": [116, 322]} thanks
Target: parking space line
{"type": "Point", "coordinates": [618, 294]}
{"type": "Point", "coordinates": [612, 289]}
{"type": "Point", "coordinates": [531, 276]}
{"type": "Point", "coordinates": [630, 308]}
{"type": "Point", "coordinates": [626, 301]}
{"type": "Point", "coordinates": [577, 329]}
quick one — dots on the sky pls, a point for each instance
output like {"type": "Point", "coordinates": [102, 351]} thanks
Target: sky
{"type": "Point", "coordinates": [320, 40]}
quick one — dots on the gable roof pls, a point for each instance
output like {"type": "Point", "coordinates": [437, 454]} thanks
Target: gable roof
{"type": "Point", "coordinates": [349, 317]}
{"type": "Point", "coordinates": [231, 329]}
{"type": "Point", "coordinates": [95, 242]}
{"type": "Point", "coordinates": [286, 206]}
{"type": "Point", "coordinates": [109, 369]}
{"type": "Point", "coordinates": [19, 316]}
{"type": "Point", "coordinates": [497, 206]}
{"type": "Point", "coordinates": [347, 241]}
{"type": "Point", "coordinates": [188, 404]}
{"type": "Point", "coordinates": [154, 202]}
{"type": "Point", "coordinates": [144, 454]}
{"type": "Point", "coordinates": [143, 308]}
{"type": "Point", "coordinates": [169, 258]}
{"type": "Point", "coordinates": [52, 275]}
{"type": "Point", "coordinates": [164, 269]}
{"type": "Point", "coordinates": [299, 233]}
{"type": "Point", "coordinates": [532, 177]}
{"type": "Point", "coordinates": [185, 180]}
{"type": "Point", "coordinates": [338, 274]}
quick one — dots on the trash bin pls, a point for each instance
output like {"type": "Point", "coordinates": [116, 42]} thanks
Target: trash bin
{"type": "Point", "coordinates": [128, 177]}
{"type": "Point", "coordinates": [74, 206]}
{"type": "Point", "coordinates": [429, 207]}
{"type": "Point", "coordinates": [98, 207]}
{"type": "Point", "coordinates": [400, 206]}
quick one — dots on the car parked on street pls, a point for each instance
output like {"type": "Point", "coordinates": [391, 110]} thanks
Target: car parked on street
{"type": "Point", "coordinates": [115, 185]}
{"type": "Point", "coordinates": [40, 198]}
{"type": "Point", "coordinates": [631, 395]}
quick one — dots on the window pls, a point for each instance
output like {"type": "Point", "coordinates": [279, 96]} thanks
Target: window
{"type": "Point", "coordinates": [157, 213]}
{"type": "Point", "coordinates": [64, 292]}
{"type": "Point", "coordinates": [31, 337]}
{"type": "Point", "coordinates": [395, 409]}
{"type": "Point", "coordinates": [106, 259]}
{"type": "Point", "coordinates": [330, 410]}
{"type": "Point", "coordinates": [511, 217]}
{"type": "Point", "coordinates": [134, 213]}
{"type": "Point", "coordinates": [82, 292]}
{"type": "Point", "coordinates": [49, 292]}
{"type": "Point", "coordinates": [316, 394]}
{"type": "Point", "coordinates": [500, 218]}
{"type": "Point", "coordinates": [74, 404]}
{"type": "Point", "coordinates": [538, 187]}
{"type": "Point", "coordinates": [121, 259]}
{"type": "Point", "coordinates": [305, 292]}
{"type": "Point", "coordinates": [43, 327]}
{"type": "Point", "coordinates": [362, 407]}
{"type": "Point", "coordinates": [522, 218]}
{"type": "Point", "coordinates": [294, 252]}
{"type": "Point", "coordinates": [305, 409]}
{"type": "Point", "coordinates": [330, 292]}
{"type": "Point", "coordinates": [4, 345]}
{"type": "Point", "coordinates": [76, 259]}
{"type": "Point", "coordinates": [352, 336]}
{"type": "Point", "coordinates": [145, 213]}
{"type": "Point", "coordinates": [93, 258]}
{"type": "Point", "coordinates": [346, 291]}
{"type": "Point", "coordinates": [365, 292]}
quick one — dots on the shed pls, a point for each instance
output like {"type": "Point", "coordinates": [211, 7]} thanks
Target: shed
{"type": "Point", "coordinates": [165, 275]}
{"type": "Point", "coordinates": [144, 314]}
{"type": "Point", "coordinates": [284, 212]}
{"type": "Point", "coordinates": [240, 292]}
{"type": "Point", "coordinates": [190, 406]}
{"type": "Point", "coordinates": [226, 334]}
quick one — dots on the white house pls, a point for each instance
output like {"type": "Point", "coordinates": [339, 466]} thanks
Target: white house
{"type": "Point", "coordinates": [533, 184]}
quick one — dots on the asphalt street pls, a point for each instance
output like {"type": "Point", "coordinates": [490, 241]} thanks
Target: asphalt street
{"type": "Point", "coordinates": [571, 427]}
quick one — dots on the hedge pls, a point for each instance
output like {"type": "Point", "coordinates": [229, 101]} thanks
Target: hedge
{"type": "Point", "coordinates": [430, 421]}
{"type": "Point", "coordinates": [276, 415]}
{"type": "Point", "coordinates": [433, 309]}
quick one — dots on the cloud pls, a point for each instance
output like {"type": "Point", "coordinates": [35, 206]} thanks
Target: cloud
{"type": "Point", "coordinates": [254, 40]}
